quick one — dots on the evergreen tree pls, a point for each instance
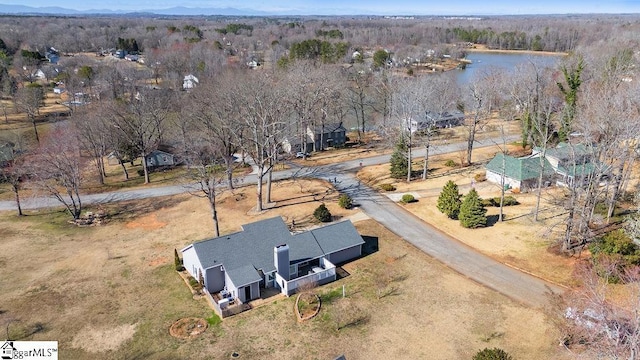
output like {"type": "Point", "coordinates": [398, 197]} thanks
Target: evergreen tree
{"type": "Point", "coordinates": [472, 212]}
{"type": "Point", "coordinates": [449, 200]}
{"type": "Point", "coordinates": [322, 213]}
{"type": "Point", "coordinates": [399, 160]}
{"type": "Point", "coordinates": [570, 93]}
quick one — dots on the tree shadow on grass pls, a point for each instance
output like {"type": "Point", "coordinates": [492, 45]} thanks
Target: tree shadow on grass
{"type": "Point", "coordinates": [493, 219]}
{"type": "Point", "coordinates": [126, 211]}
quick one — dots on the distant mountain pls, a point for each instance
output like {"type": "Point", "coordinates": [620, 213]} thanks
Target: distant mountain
{"type": "Point", "coordinates": [181, 10]}
{"type": "Point", "coordinates": [178, 11]}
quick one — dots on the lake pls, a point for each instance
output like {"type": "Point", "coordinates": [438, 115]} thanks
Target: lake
{"type": "Point", "coordinates": [507, 61]}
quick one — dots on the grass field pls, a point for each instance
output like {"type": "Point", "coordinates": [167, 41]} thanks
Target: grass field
{"type": "Point", "coordinates": [110, 292]}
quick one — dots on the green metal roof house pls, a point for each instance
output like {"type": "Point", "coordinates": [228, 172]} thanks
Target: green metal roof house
{"type": "Point", "coordinates": [519, 173]}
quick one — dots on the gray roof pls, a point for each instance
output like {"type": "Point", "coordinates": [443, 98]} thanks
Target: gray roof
{"type": "Point", "coordinates": [336, 237]}
{"type": "Point", "coordinates": [243, 275]}
{"type": "Point", "coordinates": [330, 127]}
{"type": "Point", "coordinates": [244, 252]}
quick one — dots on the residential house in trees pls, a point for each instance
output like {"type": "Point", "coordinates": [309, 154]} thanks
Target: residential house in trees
{"type": "Point", "coordinates": [570, 162]}
{"type": "Point", "coordinates": [563, 165]}
{"type": "Point", "coordinates": [327, 135]}
{"type": "Point", "coordinates": [159, 158]}
{"type": "Point", "coordinates": [439, 120]}
{"type": "Point", "coordinates": [519, 173]}
{"type": "Point", "coordinates": [264, 254]}
{"type": "Point", "coordinates": [189, 82]}
{"type": "Point", "coordinates": [7, 153]}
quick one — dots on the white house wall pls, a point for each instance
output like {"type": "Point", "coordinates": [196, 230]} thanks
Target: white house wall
{"type": "Point", "coordinates": [496, 179]}
{"type": "Point", "coordinates": [190, 261]}
{"type": "Point", "coordinates": [345, 254]}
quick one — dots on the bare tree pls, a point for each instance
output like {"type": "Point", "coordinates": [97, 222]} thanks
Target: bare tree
{"type": "Point", "coordinates": [56, 168]}
{"type": "Point", "coordinates": [13, 174]}
{"type": "Point", "coordinates": [93, 135]}
{"type": "Point", "coordinates": [479, 102]}
{"type": "Point", "coordinates": [264, 110]}
{"type": "Point", "coordinates": [608, 325]}
{"type": "Point", "coordinates": [28, 100]}
{"type": "Point", "coordinates": [141, 121]}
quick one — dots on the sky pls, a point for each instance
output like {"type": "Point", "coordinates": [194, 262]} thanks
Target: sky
{"type": "Point", "coordinates": [350, 7]}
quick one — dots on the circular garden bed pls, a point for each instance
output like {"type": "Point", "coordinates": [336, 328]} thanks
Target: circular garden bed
{"type": "Point", "coordinates": [307, 306]}
{"type": "Point", "coordinates": [188, 328]}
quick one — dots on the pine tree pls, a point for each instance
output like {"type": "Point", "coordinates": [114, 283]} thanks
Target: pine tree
{"type": "Point", "coordinates": [449, 200]}
{"type": "Point", "coordinates": [472, 212]}
{"type": "Point", "coordinates": [399, 160]}
{"type": "Point", "coordinates": [322, 213]}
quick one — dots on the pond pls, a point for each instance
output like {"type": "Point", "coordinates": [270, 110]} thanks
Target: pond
{"type": "Point", "coordinates": [485, 60]}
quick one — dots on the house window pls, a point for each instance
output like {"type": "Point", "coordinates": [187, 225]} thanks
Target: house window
{"type": "Point", "coordinates": [164, 158]}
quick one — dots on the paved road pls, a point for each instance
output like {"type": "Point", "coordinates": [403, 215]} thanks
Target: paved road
{"type": "Point", "coordinates": [515, 284]}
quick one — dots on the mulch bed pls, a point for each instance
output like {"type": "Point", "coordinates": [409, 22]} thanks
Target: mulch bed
{"type": "Point", "coordinates": [188, 328]}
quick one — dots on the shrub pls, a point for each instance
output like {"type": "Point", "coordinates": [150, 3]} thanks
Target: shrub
{"type": "Point", "coordinates": [492, 354]}
{"type": "Point", "coordinates": [480, 177]}
{"type": "Point", "coordinates": [449, 200]}
{"type": "Point", "coordinates": [322, 213]}
{"type": "Point", "coordinates": [177, 261]}
{"type": "Point", "coordinates": [195, 285]}
{"type": "Point", "coordinates": [345, 201]}
{"type": "Point", "coordinates": [410, 72]}
{"type": "Point", "coordinates": [508, 201]}
{"type": "Point", "coordinates": [387, 187]}
{"type": "Point", "coordinates": [140, 172]}
{"type": "Point", "coordinates": [472, 212]}
{"type": "Point", "coordinates": [407, 198]}
{"type": "Point", "coordinates": [613, 253]}
{"type": "Point", "coordinates": [450, 163]}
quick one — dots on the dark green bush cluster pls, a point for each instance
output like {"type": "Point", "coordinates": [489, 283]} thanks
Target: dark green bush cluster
{"type": "Point", "coordinates": [322, 214]}
{"type": "Point", "coordinates": [613, 253]}
{"type": "Point", "coordinates": [492, 354]}
{"type": "Point", "coordinates": [508, 201]}
{"type": "Point", "coordinates": [407, 198]}
{"type": "Point", "coordinates": [387, 187]}
{"type": "Point", "coordinates": [345, 201]}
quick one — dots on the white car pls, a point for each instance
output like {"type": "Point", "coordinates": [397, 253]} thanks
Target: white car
{"type": "Point", "coordinates": [302, 155]}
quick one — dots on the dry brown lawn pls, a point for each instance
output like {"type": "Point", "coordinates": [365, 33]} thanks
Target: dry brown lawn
{"type": "Point", "coordinates": [110, 291]}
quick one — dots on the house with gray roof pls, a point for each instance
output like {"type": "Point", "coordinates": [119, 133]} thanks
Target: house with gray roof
{"type": "Point", "coordinates": [264, 254]}
{"type": "Point", "coordinates": [519, 173]}
{"type": "Point", "coordinates": [327, 135]}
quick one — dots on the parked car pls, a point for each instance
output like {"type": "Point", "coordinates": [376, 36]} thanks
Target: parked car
{"type": "Point", "coordinates": [302, 155]}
